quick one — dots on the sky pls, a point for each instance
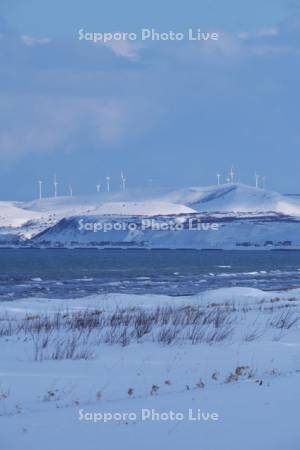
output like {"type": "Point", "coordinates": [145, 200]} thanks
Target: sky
{"type": "Point", "coordinates": [166, 113]}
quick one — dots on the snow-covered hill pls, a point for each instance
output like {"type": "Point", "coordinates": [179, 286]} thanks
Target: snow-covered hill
{"type": "Point", "coordinates": [28, 219]}
{"type": "Point", "coordinates": [235, 198]}
{"type": "Point", "coordinates": [246, 217]}
{"type": "Point", "coordinates": [14, 215]}
{"type": "Point", "coordinates": [150, 208]}
{"type": "Point", "coordinates": [103, 204]}
{"type": "Point", "coordinates": [197, 231]}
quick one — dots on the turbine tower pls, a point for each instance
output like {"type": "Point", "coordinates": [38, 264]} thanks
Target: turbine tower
{"type": "Point", "coordinates": [40, 182]}
{"type": "Point", "coordinates": [218, 176]}
{"type": "Point", "coordinates": [256, 179]}
{"type": "Point", "coordinates": [70, 190]}
{"type": "Point", "coordinates": [98, 187]}
{"type": "Point", "coordinates": [108, 183]}
{"type": "Point", "coordinates": [123, 179]}
{"type": "Point", "coordinates": [231, 174]}
{"type": "Point", "coordinates": [55, 184]}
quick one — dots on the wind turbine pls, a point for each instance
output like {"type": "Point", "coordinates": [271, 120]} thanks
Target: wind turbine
{"type": "Point", "coordinates": [108, 183]}
{"type": "Point", "coordinates": [55, 184]}
{"type": "Point", "coordinates": [218, 176]}
{"type": "Point", "coordinates": [40, 182]}
{"type": "Point", "coordinates": [256, 179]}
{"type": "Point", "coordinates": [70, 190]}
{"type": "Point", "coordinates": [228, 180]}
{"type": "Point", "coordinates": [98, 187]}
{"type": "Point", "coordinates": [231, 174]}
{"type": "Point", "coordinates": [123, 179]}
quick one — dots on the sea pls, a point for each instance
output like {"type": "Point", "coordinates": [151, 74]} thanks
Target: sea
{"type": "Point", "coordinates": [62, 273]}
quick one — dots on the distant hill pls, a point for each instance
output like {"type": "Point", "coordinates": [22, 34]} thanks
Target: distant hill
{"type": "Point", "coordinates": [236, 198]}
{"type": "Point", "coordinates": [246, 217]}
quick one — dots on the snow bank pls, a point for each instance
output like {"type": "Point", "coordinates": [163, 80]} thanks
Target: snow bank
{"type": "Point", "coordinates": [238, 296]}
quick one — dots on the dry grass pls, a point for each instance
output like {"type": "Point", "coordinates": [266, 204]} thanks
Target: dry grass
{"type": "Point", "coordinates": [77, 335]}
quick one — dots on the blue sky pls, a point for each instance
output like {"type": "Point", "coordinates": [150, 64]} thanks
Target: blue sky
{"type": "Point", "coordinates": [173, 112]}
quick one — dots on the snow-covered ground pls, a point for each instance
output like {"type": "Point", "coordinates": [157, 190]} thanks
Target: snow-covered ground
{"type": "Point", "coordinates": [232, 353]}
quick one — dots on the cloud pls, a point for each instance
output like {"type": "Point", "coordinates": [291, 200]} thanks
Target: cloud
{"type": "Point", "coordinates": [281, 39]}
{"type": "Point", "coordinates": [41, 124]}
{"type": "Point", "coordinates": [45, 124]}
{"type": "Point", "coordinates": [56, 95]}
{"type": "Point", "coordinates": [29, 40]}
{"type": "Point", "coordinates": [264, 32]}
{"type": "Point", "coordinates": [125, 49]}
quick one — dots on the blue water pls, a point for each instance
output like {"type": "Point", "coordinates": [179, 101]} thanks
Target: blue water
{"type": "Point", "coordinates": [77, 273]}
